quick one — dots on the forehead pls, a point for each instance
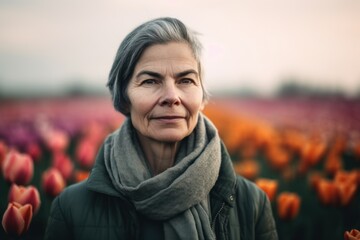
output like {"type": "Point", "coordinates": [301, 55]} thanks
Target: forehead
{"type": "Point", "coordinates": [173, 53]}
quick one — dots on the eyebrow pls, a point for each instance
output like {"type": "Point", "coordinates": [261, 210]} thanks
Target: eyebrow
{"type": "Point", "coordinates": [158, 75]}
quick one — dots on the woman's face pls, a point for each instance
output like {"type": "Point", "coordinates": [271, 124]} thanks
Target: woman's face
{"type": "Point", "coordinates": [165, 93]}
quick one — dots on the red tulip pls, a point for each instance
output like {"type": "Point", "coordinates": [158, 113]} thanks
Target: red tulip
{"type": "Point", "coordinates": [18, 168]}
{"type": "Point", "coordinates": [85, 153]}
{"type": "Point", "coordinates": [25, 195]}
{"type": "Point", "coordinates": [288, 205]}
{"type": "Point", "coordinates": [3, 152]}
{"type": "Point", "coordinates": [63, 163]}
{"type": "Point", "coordinates": [53, 182]}
{"type": "Point", "coordinates": [34, 150]}
{"type": "Point", "coordinates": [17, 218]}
{"type": "Point", "coordinates": [354, 234]}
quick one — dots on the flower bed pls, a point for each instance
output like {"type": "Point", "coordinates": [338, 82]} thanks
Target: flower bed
{"type": "Point", "coordinates": [304, 154]}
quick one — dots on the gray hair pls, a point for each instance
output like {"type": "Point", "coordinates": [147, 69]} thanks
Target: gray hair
{"type": "Point", "coordinates": [157, 31]}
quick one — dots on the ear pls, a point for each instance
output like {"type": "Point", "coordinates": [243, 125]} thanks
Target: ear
{"type": "Point", "coordinates": [126, 109]}
{"type": "Point", "coordinates": [203, 104]}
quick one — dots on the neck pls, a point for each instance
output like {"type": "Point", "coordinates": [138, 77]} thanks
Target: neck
{"type": "Point", "coordinates": [159, 155]}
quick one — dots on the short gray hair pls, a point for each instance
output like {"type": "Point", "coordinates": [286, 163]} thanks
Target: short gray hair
{"type": "Point", "coordinates": [156, 31]}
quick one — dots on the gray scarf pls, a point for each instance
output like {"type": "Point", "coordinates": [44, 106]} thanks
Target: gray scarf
{"type": "Point", "coordinates": [177, 196]}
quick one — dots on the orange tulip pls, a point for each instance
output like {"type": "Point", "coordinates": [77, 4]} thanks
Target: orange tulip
{"type": "Point", "coordinates": [17, 218]}
{"type": "Point", "coordinates": [269, 186]}
{"type": "Point", "coordinates": [327, 192]}
{"type": "Point", "coordinates": [81, 175]}
{"type": "Point", "coordinates": [248, 150]}
{"type": "Point", "coordinates": [346, 184]}
{"type": "Point", "coordinates": [312, 152]}
{"type": "Point", "coordinates": [340, 143]}
{"type": "Point", "coordinates": [333, 163]}
{"type": "Point", "coordinates": [288, 205]}
{"type": "Point", "coordinates": [25, 195]}
{"type": "Point", "coordinates": [354, 234]}
{"type": "Point", "coordinates": [265, 135]}
{"type": "Point", "coordinates": [18, 168]}
{"type": "Point", "coordinates": [356, 149]}
{"type": "Point", "coordinates": [63, 163]}
{"type": "Point", "coordinates": [278, 157]}
{"type": "Point", "coordinates": [247, 168]}
{"type": "Point", "coordinates": [314, 179]}
{"type": "Point", "coordinates": [52, 182]}
{"type": "Point", "coordinates": [294, 139]}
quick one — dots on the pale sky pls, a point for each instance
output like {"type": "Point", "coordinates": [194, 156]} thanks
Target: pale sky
{"type": "Point", "coordinates": [47, 44]}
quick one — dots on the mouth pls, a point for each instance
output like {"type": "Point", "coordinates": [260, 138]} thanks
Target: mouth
{"type": "Point", "coordinates": [168, 117]}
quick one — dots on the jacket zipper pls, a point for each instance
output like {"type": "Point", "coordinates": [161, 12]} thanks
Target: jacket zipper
{"type": "Point", "coordinates": [216, 216]}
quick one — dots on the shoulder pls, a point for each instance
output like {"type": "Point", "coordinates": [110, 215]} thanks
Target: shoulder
{"type": "Point", "coordinates": [75, 192]}
{"type": "Point", "coordinates": [247, 189]}
{"type": "Point", "coordinates": [61, 214]}
{"type": "Point", "coordinates": [254, 209]}
{"type": "Point", "coordinates": [77, 205]}
{"type": "Point", "coordinates": [85, 214]}
{"type": "Point", "coordinates": [74, 199]}
{"type": "Point", "coordinates": [250, 198]}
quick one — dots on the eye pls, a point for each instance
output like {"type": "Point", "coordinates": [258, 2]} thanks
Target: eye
{"type": "Point", "coordinates": [186, 81]}
{"type": "Point", "coordinates": [149, 82]}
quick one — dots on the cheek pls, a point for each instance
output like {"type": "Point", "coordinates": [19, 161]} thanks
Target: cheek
{"type": "Point", "coordinates": [196, 103]}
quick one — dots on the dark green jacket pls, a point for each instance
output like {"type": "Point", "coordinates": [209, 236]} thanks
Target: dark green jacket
{"type": "Point", "coordinates": [94, 210]}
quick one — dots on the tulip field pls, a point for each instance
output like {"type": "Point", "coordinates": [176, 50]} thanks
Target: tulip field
{"type": "Point", "coordinates": [304, 153]}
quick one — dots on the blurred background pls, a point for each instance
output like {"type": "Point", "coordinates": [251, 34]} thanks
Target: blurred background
{"type": "Point", "coordinates": [284, 74]}
{"type": "Point", "coordinates": [251, 47]}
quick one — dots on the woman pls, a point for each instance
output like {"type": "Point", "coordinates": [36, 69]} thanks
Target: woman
{"type": "Point", "coordinates": [165, 174]}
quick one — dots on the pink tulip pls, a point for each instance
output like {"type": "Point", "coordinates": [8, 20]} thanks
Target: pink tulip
{"type": "Point", "coordinates": [94, 132]}
{"type": "Point", "coordinates": [17, 218]}
{"type": "Point", "coordinates": [56, 140]}
{"type": "Point", "coordinates": [25, 195]}
{"type": "Point", "coordinates": [18, 168]}
{"type": "Point", "coordinates": [85, 153]}
{"type": "Point", "coordinates": [34, 150]}
{"type": "Point", "coordinates": [52, 182]}
{"type": "Point", "coordinates": [63, 163]}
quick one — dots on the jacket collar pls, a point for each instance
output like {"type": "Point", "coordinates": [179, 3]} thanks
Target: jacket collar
{"type": "Point", "coordinates": [99, 180]}
{"type": "Point", "coordinates": [224, 189]}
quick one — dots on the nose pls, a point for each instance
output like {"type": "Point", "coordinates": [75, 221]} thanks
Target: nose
{"type": "Point", "coordinates": [170, 95]}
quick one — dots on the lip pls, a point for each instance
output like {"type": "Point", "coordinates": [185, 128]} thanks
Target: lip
{"type": "Point", "coordinates": [168, 118]}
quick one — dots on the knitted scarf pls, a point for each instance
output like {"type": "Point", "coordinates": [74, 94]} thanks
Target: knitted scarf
{"type": "Point", "coordinates": [178, 196]}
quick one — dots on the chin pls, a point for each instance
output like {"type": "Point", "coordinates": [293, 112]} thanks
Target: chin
{"type": "Point", "coordinates": [170, 137]}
